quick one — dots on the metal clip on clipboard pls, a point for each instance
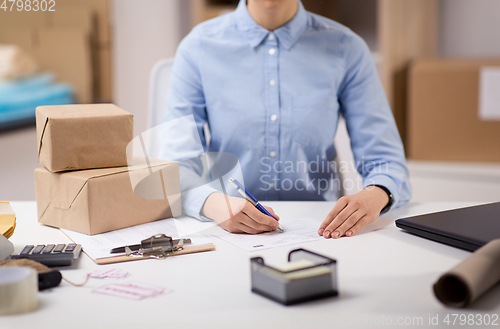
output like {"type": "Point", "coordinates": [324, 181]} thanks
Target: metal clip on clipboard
{"type": "Point", "coordinates": [157, 246]}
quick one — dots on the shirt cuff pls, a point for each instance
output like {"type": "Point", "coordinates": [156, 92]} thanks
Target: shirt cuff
{"type": "Point", "coordinates": [389, 184]}
{"type": "Point", "coordinates": [193, 201]}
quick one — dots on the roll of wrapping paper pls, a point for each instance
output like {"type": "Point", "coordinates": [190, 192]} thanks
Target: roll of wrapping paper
{"type": "Point", "coordinates": [18, 290]}
{"type": "Point", "coordinates": [467, 281]}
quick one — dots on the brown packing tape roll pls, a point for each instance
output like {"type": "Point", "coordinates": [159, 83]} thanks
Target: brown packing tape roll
{"type": "Point", "coordinates": [467, 281]}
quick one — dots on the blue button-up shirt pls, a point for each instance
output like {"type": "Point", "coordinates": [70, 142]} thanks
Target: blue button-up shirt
{"type": "Point", "coordinates": [274, 100]}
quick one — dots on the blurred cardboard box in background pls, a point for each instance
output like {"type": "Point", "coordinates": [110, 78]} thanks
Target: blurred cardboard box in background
{"type": "Point", "coordinates": [443, 112]}
{"type": "Point", "coordinates": [74, 41]}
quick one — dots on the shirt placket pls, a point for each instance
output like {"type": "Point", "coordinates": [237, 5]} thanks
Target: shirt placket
{"type": "Point", "coordinates": [272, 114]}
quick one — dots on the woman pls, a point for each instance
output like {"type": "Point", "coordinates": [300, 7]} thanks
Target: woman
{"type": "Point", "coordinates": [271, 81]}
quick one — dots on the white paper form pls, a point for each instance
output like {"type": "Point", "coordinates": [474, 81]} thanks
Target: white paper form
{"type": "Point", "coordinates": [489, 93]}
{"type": "Point", "coordinates": [99, 245]}
{"type": "Point", "coordinates": [296, 231]}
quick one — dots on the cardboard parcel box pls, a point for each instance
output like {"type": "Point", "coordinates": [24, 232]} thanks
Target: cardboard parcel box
{"type": "Point", "coordinates": [74, 137]}
{"type": "Point", "coordinates": [444, 123]}
{"type": "Point", "coordinates": [101, 200]}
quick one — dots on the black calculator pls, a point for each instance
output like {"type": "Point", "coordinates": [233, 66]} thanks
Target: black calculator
{"type": "Point", "coordinates": [51, 254]}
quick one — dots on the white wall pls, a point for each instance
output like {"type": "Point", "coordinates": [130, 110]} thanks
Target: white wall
{"type": "Point", "coordinates": [144, 32]}
{"type": "Point", "coordinates": [469, 28]}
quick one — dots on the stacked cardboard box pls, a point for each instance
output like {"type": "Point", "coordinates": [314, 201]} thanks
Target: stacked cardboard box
{"type": "Point", "coordinates": [85, 185]}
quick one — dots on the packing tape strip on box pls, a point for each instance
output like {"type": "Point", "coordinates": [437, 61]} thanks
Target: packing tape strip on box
{"type": "Point", "coordinates": [18, 290]}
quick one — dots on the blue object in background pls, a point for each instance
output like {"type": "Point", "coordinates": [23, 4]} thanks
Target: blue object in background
{"type": "Point", "coordinates": [20, 98]}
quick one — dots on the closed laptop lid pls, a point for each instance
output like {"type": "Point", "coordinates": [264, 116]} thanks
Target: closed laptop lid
{"type": "Point", "coordinates": [467, 228]}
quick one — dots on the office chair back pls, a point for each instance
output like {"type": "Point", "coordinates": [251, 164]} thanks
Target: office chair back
{"type": "Point", "coordinates": [159, 82]}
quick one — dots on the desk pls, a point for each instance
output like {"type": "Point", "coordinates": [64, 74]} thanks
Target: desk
{"type": "Point", "coordinates": [384, 275]}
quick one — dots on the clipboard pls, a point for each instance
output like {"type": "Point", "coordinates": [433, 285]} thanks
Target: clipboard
{"type": "Point", "coordinates": [147, 251]}
{"type": "Point", "coordinates": [124, 258]}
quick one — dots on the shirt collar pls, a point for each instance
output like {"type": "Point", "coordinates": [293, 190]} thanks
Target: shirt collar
{"type": "Point", "coordinates": [287, 35]}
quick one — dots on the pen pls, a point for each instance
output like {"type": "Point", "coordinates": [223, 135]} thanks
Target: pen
{"type": "Point", "coordinates": [154, 243]}
{"type": "Point", "coordinates": [247, 195]}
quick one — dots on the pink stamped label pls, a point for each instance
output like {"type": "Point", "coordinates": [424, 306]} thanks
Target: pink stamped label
{"type": "Point", "coordinates": [132, 290]}
{"type": "Point", "coordinates": [112, 273]}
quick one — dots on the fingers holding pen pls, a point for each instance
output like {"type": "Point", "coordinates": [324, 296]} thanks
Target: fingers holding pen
{"type": "Point", "coordinates": [258, 220]}
{"type": "Point", "coordinates": [271, 211]}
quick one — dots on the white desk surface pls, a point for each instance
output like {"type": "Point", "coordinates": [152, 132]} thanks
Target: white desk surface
{"type": "Point", "coordinates": [385, 276]}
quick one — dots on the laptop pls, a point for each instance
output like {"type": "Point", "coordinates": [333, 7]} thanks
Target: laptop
{"type": "Point", "coordinates": [465, 228]}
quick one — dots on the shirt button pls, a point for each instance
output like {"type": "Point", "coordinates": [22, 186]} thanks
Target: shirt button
{"type": "Point", "coordinates": [272, 83]}
{"type": "Point", "coordinates": [272, 154]}
{"type": "Point", "coordinates": [271, 185]}
{"type": "Point", "coordinates": [274, 117]}
{"type": "Point", "coordinates": [272, 51]}
{"type": "Point", "coordinates": [271, 36]}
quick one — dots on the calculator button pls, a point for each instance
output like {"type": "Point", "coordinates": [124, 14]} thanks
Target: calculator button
{"type": "Point", "coordinates": [70, 247]}
{"type": "Point", "coordinates": [38, 249]}
{"type": "Point", "coordinates": [48, 249]}
{"type": "Point", "coordinates": [26, 250]}
{"type": "Point", "coordinates": [59, 248]}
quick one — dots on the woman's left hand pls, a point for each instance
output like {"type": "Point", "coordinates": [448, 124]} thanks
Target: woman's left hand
{"type": "Point", "coordinates": [352, 212]}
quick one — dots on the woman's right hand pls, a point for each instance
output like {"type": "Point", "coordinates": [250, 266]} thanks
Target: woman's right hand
{"type": "Point", "coordinates": [242, 217]}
